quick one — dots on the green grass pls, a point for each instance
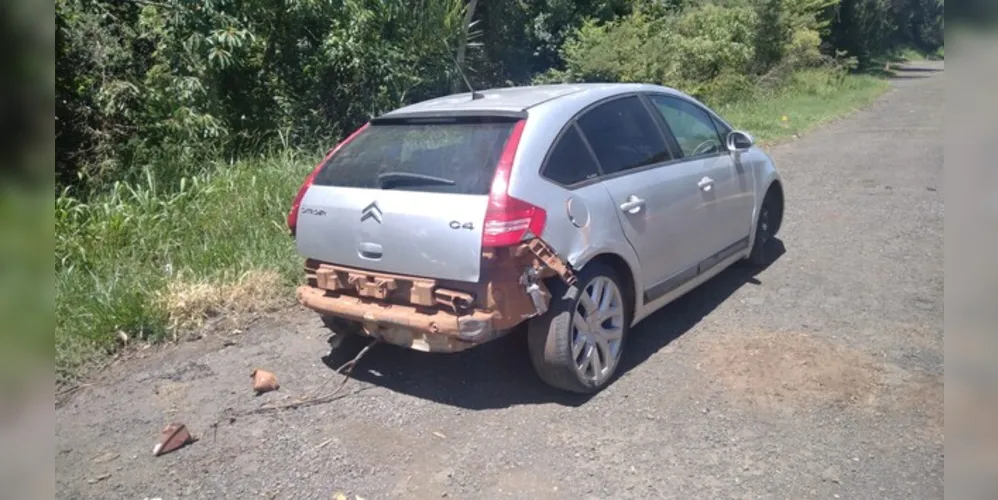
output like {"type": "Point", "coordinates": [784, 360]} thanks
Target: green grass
{"type": "Point", "coordinates": [912, 54]}
{"type": "Point", "coordinates": [145, 260]}
{"type": "Point", "coordinates": [809, 99]}
{"type": "Point", "coordinates": [123, 260]}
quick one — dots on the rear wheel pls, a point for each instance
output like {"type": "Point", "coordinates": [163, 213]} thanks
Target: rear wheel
{"type": "Point", "coordinates": [577, 344]}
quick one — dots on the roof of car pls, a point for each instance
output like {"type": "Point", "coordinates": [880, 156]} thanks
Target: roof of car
{"type": "Point", "coordinates": [511, 100]}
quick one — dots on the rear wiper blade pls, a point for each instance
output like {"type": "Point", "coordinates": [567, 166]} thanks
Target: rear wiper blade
{"type": "Point", "coordinates": [390, 178]}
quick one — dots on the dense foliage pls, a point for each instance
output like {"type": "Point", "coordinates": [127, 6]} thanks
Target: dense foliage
{"type": "Point", "coordinates": [169, 85]}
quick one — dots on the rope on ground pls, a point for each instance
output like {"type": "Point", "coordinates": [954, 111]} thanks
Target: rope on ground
{"type": "Point", "coordinates": [311, 399]}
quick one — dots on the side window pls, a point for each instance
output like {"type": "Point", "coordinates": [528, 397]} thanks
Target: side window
{"type": "Point", "coordinates": [623, 135]}
{"type": "Point", "coordinates": [570, 161]}
{"type": "Point", "coordinates": [692, 127]}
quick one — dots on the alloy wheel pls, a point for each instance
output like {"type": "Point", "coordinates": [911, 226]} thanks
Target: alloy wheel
{"type": "Point", "coordinates": [597, 330]}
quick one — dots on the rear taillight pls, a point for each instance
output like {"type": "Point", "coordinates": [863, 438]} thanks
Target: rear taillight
{"type": "Point", "coordinates": [509, 220]}
{"type": "Point", "coordinates": [293, 214]}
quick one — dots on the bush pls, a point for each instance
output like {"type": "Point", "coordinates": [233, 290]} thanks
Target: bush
{"type": "Point", "coordinates": [715, 52]}
{"type": "Point", "coordinates": [175, 84]}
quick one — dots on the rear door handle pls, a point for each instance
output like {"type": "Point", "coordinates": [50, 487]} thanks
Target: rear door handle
{"type": "Point", "coordinates": [705, 184]}
{"type": "Point", "coordinates": [633, 204]}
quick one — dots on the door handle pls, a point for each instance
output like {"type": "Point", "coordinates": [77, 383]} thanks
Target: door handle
{"type": "Point", "coordinates": [632, 205]}
{"type": "Point", "coordinates": [705, 184]}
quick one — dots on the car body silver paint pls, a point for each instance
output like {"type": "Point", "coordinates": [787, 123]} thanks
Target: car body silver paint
{"type": "Point", "coordinates": [414, 232]}
{"type": "Point", "coordinates": [732, 207]}
{"type": "Point", "coordinates": [742, 180]}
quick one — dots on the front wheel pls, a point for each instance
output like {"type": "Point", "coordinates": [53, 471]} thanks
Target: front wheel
{"type": "Point", "coordinates": [577, 344]}
{"type": "Point", "coordinates": [770, 215]}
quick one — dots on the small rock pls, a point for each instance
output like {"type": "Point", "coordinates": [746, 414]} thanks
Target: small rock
{"type": "Point", "coordinates": [264, 381]}
{"type": "Point", "coordinates": [99, 478]}
{"type": "Point", "coordinates": [832, 475]}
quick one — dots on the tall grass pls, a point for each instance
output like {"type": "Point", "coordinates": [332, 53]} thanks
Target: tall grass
{"type": "Point", "coordinates": [118, 255]}
{"type": "Point", "coordinates": [808, 99]}
{"type": "Point", "coordinates": [145, 259]}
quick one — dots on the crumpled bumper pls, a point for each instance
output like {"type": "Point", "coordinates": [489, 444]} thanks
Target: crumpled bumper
{"type": "Point", "coordinates": [419, 328]}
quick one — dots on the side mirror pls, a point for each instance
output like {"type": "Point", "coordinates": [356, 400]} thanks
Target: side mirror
{"type": "Point", "coordinates": [740, 141]}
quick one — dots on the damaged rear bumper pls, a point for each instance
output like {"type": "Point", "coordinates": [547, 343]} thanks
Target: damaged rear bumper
{"type": "Point", "coordinates": [430, 330]}
{"type": "Point", "coordinates": [438, 316]}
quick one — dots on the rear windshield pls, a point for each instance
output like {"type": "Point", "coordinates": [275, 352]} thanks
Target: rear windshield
{"type": "Point", "coordinates": [450, 157]}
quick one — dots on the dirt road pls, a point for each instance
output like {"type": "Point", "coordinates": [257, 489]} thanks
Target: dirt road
{"type": "Point", "coordinates": [819, 377]}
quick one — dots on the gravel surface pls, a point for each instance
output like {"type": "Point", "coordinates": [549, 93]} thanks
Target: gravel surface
{"type": "Point", "coordinates": [819, 377]}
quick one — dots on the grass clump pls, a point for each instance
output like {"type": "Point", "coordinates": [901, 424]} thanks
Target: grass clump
{"type": "Point", "coordinates": [188, 303]}
{"type": "Point", "coordinates": [807, 99]}
{"type": "Point", "coordinates": [147, 259]}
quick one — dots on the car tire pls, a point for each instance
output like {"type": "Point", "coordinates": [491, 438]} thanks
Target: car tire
{"type": "Point", "coordinates": [561, 347]}
{"type": "Point", "coordinates": [766, 226]}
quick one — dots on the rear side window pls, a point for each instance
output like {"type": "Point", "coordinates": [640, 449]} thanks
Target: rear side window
{"type": "Point", "coordinates": [570, 161]}
{"type": "Point", "coordinates": [623, 135]}
{"type": "Point", "coordinates": [451, 157]}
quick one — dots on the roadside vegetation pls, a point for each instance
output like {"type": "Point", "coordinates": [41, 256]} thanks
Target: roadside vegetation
{"type": "Point", "coordinates": [185, 128]}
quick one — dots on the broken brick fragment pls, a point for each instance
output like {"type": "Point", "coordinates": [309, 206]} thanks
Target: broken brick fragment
{"type": "Point", "coordinates": [264, 381]}
{"type": "Point", "coordinates": [173, 437]}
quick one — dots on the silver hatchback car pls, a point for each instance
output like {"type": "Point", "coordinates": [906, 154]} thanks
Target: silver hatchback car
{"type": "Point", "coordinates": [573, 210]}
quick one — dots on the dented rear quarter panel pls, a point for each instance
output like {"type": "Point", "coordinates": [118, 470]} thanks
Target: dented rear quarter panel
{"type": "Point", "coordinates": [581, 241]}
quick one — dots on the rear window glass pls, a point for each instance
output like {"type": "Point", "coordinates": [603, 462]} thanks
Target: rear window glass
{"type": "Point", "coordinates": [451, 157]}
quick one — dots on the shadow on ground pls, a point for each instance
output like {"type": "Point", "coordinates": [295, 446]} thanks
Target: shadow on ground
{"type": "Point", "coordinates": [498, 374]}
{"type": "Point", "coordinates": [917, 69]}
{"type": "Point", "coordinates": [902, 71]}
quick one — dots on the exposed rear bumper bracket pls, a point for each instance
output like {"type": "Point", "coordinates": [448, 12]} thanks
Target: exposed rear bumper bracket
{"type": "Point", "coordinates": [423, 329]}
{"type": "Point", "coordinates": [547, 255]}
